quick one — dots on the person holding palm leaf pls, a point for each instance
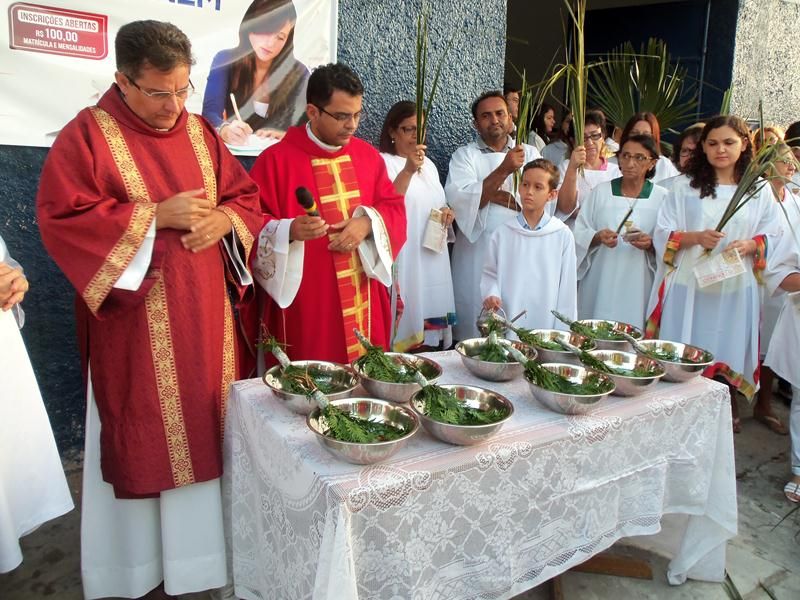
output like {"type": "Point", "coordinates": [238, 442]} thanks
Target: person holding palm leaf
{"type": "Point", "coordinates": [423, 307]}
{"type": "Point", "coordinates": [721, 317]}
{"type": "Point", "coordinates": [613, 238]}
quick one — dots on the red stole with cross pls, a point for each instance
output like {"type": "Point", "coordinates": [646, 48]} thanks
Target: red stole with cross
{"type": "Point", "coordinates": [338, 197]}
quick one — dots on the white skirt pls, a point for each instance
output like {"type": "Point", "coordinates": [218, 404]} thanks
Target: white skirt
{"type": "Point", "coordinates": [33, 488]}
{"type": "Point", "coordinates": [128, 547]}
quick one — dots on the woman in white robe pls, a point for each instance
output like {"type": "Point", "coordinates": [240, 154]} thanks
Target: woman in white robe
{"type": "Point", "coordinates": [577, 184]}
{"type": "Point", "coordinates": [646, 123]}
{"type": "Point", "coordinates": [422, 290]}
{"type": "Point", "coordinates": [615, 272]}
{"type": "Point", "coordinates": [789, 207]}
{"type": "Point", "coordinates": [722, 317]}
{"type": "Point", "coordinates": [782, 279]}
{"type": "Point", "coordinates": [33, 488]}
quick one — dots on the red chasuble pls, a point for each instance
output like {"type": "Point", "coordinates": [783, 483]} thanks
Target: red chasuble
{"type": "Point", "coordinates": [161, 357]}
{"type": "Point", "coordinates": [334, 295]}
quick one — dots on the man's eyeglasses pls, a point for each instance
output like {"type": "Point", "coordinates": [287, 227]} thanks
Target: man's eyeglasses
{"type": "Point", "coordinates": [595, 137]}
{"type": "Point", "coordinates": [181, 94]}
{"type": "Point", "coordinates": [638, 158]}
{"type": "Point", "coordinates": [344, 117]}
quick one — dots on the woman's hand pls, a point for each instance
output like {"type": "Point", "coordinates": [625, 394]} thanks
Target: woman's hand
{"type": "Point", "coordinates": [577, 158]}
{"type": "Point", "coordinates": [605, 237]}
{"type": "Point", "coordinates": [642, 241]}
{"type": "Point", "coordinates": [448, 216]}
{"type": "Point", "coordinates": [275, 134]}
{"type": "Point", "coordinates": [708, 239]}
{"type": "Point", "coordinates": [745, 247]}
{"type": "Point", "coordinates": [235, 132]}
{"type": "Point", "coordinates": [415, 159]}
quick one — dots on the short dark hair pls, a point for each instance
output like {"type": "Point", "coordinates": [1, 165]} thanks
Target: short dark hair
{"type": "Point", "coordinates": [508, 89]}
{"type": "Point", "coordinates": [485, 96]}
{"type": "Point", "coordinates": [327, 78]}
{"type": "Point", "coordinates": [546, 166]}
{"type": "Point", "coordinates": [154, 43]}
{"type": "Point", "coordinates": [396, 115]}
{"type": "Point", "coordinates": [792, 136]}
{"type": "Point", "coordinates": [649, 144]}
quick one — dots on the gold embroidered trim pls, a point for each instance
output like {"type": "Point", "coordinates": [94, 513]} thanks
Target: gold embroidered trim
{"type": "Point", "coordinates": [143, 214]}
{"type": "Point", "coordinates": [242, 232]}
{"type": "Point", "coordinates": [131, 178]}
{"type": "Point", "coordinates": [120, 256]}
{"type": "Point", "coordinates": [195, 131]}
{"type": "Point", "coordinates": [167, 384]}
{"type": "Point", "coordinates": [228, 359]}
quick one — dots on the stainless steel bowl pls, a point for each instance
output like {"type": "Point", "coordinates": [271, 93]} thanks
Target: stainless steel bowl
{"type": "Point", "coordinates": [400, 392]}
{"type": "Point", "coordinates": [492, 371]}
{"type": "Point", "coordinates": [569, 404]}
{"type": "Point", "coordinates": [694, 360]}
{"type": "Point", "coordinates": [546, 355]}
{"type": "Point", "coordinates": [371, 409]}
{"type": "Point", "coordinates": [615, 326]}
{"type": "Point", "coordinates": [465, 435]}
{"type": "Point", "coordinates": [341, 375]}
{"type": "Point", "coordinates": [628, 385]}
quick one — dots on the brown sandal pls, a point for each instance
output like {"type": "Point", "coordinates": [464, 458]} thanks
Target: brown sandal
{"type": "Point", "coordinates": [773, 423]}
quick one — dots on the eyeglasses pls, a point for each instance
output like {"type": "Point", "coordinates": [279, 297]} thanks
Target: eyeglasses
{"type": "Point", "coordinates": [595, 137]}
{"type": "Point", "coordinates": [412, 130]}
{"type": "Point", "coordinates": [788, 161]}
{"type": "Point", "coordinates": [639, 158]}
{"type": "Point", "coordinates": [344, 117]}
{"type": "Point", "coordinates": [181, 94]}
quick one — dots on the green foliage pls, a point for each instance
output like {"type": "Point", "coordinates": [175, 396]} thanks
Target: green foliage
{"type": "Point", "coordinates": [375, 364]}
{"type": "Point", "coordinates": [545, 378]}
{"type": "Point", "coordinates": [304, 380]}
{"type": "Point", "coordinates": [424, 106]}
{"type": "Point", "coordinates": [626, 82]}
{"type": "Point", "coordinates": [492, 351]}
{"type": "Point", "coordinates": [347, 428]}
{"type": "Point", "coordinates": [725, 109]}
{"type": "Point", "coordinates": [442, 405]}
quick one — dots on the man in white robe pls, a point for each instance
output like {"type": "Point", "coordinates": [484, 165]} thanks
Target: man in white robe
{"type": "Point", "coordinates": [480, 190]}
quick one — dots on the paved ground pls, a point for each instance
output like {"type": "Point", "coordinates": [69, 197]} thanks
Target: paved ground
{"type": "Point", "coordinates": [761, 556]}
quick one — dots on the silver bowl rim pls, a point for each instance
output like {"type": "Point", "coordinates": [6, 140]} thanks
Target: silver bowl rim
{"type": "Point", "coordinates": [506, 401]}
{"type": "Point", "coordinates": [678, 362]}
{"type": "Point", "coordinates": [573, 366]}
{"type": "Point", "coordinates": [343, 366]}
{"type": "Point", "coordinates": [637, 356]}
{"type": "Point", "coordinates": [357, 370]}
{"type": "Point", "coordinates": [459, 347]}
{"type": "Point", "coordinates": [315, 414]}
{"type": "Point", "coordinates": [637, 333]}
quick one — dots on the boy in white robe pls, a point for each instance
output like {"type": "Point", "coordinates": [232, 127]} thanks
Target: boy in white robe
{"type": "Point", "coordinates": [530, 263]}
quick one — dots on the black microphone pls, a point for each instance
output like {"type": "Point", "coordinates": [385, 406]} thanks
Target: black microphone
{"type": "Point", "coordinates": [306, 200]}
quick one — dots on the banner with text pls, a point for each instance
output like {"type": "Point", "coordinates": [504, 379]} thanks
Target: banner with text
{"type": "Point", "coordinates": [58, 57]}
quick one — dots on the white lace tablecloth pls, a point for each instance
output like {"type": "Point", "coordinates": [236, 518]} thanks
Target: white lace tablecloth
{"type": "Point", "coordinates": [488, 521]}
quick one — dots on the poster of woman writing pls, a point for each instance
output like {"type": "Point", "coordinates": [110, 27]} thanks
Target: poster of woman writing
{"type": "Point", "coordinates": [253, 58]}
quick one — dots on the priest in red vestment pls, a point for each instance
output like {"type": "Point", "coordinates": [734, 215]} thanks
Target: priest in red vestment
{"type": "Point", "coordinates": [152, 220]}
{"type": "Point", "coordinates": [327, 274]}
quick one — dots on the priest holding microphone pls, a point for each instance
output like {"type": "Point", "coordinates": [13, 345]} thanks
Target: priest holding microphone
{"type": "Point", "coordinates": [334, 227]}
